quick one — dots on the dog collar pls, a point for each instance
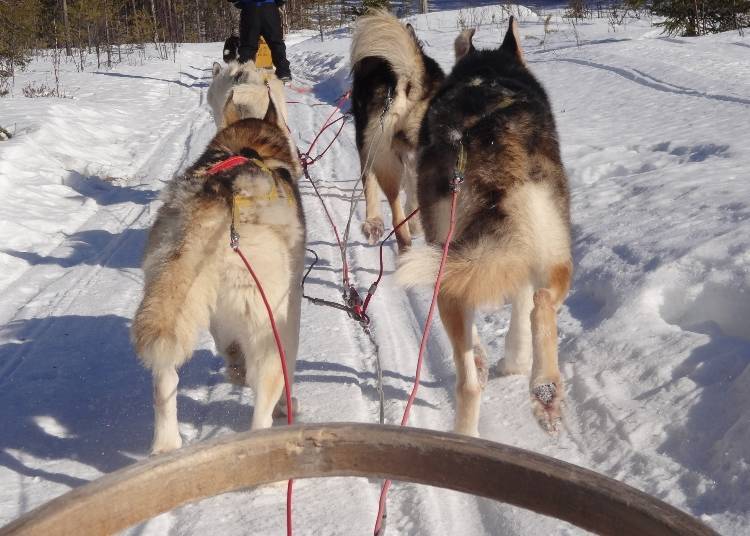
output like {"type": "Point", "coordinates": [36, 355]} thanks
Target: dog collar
{"type": "Point", "coordinates": [233, 162]}
{"type": "Point", "coordinates": [242, 201]}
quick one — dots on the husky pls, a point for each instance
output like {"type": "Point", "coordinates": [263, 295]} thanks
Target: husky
{"type": "Point", "coordinates": [231, 45]}
{"type": "Point", "coordinates": [223, 80]}
{"type": "Point", "coordinates": [512, 232]}
{"type": "Point", "coordinates": [238, 88]}
{"type": "Point", "coordinates": [392, 83]}
{"type": "Point", "coordinates": [193, 279]}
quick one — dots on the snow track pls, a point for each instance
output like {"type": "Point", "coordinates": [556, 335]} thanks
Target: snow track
{"type": "Point", "coordinates": [654, 337]}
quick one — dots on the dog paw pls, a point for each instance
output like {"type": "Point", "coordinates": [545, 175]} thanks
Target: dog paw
{"type": "Point", "coordinates": [467, 429]}
{"type": "Point", "coordinates": [545, 404]}
{"type": "Point", "coordinates": [273, 486]}
{"type": "Point", "coordinates": [165, 444]}
{"type": "Point", "coordinates": [373, 229]}
{"type": "Point", "coordinates": [281, 411]}
{"type": "Point", "coordinates": [480, 360]}
{"type": "Point", "coordinates": [506, 367]}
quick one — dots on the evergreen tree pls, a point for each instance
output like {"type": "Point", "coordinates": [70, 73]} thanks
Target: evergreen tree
{"type": "Point", "coordinates": [376, 4]}
{"type": "Point", "coordinates": [103, 27]}
{"type": "Point", "coordinates": [19, 21]}
{"type": "Point", "coordinates": [698, 17]}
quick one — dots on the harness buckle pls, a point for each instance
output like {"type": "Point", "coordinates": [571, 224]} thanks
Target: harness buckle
{"type": "Point", "coordinates": [354, 306]}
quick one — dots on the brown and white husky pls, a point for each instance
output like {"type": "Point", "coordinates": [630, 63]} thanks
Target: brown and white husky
{"type": "Point", "coordinates": [512, 236]}
{"type": "Point", "coordinates": [193, 279]}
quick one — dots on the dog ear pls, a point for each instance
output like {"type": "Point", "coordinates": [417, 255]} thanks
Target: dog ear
{"type": "Point", "coordinates": [272, 116]}
{"type": "Point", "coordinates": [216, 69]}
{"type": "Point", "coordinates": [512, 41]}
{"type": "Point", "coordinates": [463, 44]}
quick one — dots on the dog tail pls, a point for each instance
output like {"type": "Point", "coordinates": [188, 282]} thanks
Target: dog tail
{"type": "Point", "coordinates": [418, 266]}
{"type": "Point", "coordinates": [381, 35]}
{"type": "Point", "coordinates": [477, 277]}
{"type": "Point", "coordinates": [179, 284]}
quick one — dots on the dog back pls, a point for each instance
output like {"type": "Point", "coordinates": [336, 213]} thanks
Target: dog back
{"type": "Point", "coordinates": [513, 208]}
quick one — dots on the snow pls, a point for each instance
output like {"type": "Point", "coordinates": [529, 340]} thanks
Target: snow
{"type": "Point", "coordinates": [654, 338]}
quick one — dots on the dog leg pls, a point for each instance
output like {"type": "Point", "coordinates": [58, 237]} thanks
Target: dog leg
{"type": "Point", "coordinates": [410, 186]}
{"type": "Point", "coordinates": [458, 321]}
{"type": "Point", "coordinates": [373, 226]}
{"type": "Point", "coordinates": [268, 386]}
{"type": "Point", "coordinates": [166, 432]}
{"type": "Point", "coordinates": [282, 411]}
{"type": "Point", "coordinates": [480, 357]}
{"type": "Point", "coordinates": [546, 384]}
{"type": "Point", "coordinates": [518, 347]}
{"type": "Point", "coordinates": [403, 237]}
{"type": "Point", "coordinates": [290, 338]}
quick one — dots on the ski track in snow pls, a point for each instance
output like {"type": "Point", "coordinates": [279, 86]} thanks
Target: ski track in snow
{"type": "Point", "coordinates": [654, 337]}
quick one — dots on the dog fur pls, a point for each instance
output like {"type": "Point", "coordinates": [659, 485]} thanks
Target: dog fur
{"type": "Point", "coordinates": [192, 278]}
{"type": "Point", "coordinates": [231, 45]}
{"type": "Point", "coordinates": [387, 61]}
{"type": "Point", "coordinates": [512, 233]}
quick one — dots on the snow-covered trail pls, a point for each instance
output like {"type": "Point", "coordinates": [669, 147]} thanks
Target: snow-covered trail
{"type": "Point", "coordinates": [71, 392]}
{"type": "Point", "coordinates": [654, 337]}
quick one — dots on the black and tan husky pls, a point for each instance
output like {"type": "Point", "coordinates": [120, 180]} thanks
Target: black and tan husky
{"type": "Point", "coordinates": [512, 236]}
{"type": "Point", "coordinates": [392, 82]}
{"type": "Point", "coordinates": [194, 280]}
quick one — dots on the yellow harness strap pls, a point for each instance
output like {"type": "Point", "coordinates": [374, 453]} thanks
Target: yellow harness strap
{"type": "Point", "coordinates": [240, 202]}
{"type": "Point", "coordinates": [460, 160]}
{"type": "Point", "coordinates": [260, 164]}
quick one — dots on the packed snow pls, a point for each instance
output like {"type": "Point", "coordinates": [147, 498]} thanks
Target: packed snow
{"type": "Point", "coordinates": [654, 337]}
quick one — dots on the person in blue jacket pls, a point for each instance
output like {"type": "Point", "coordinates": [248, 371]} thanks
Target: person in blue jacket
{"type": "Point", "coordinates": [261, 17]}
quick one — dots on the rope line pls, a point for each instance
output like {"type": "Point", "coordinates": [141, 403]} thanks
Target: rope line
{"type": "Point", "coordinates": [287, 385]}
{"type": "Point", "coordinates": [353, 304]}
{"type": "Point", "coordinates": [458, 177]}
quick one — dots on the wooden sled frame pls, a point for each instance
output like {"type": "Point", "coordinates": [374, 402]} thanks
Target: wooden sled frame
{"type": "Point", "coordinates": [511, 475]}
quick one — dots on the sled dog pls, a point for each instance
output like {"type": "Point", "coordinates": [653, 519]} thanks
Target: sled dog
{"type": "Point", "coordinates": [192, 277]}
{"type": "Point", "coordinates": [392, 82]}
{"type": "Point", "coordinates": [512, 234]}
{"type": "Point", "coordinates": [247, 87]}
{"type": "Point", "coordinates": [231, 45]}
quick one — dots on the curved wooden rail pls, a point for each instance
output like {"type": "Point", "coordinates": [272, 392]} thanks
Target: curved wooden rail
{"type": "Point", "coordinates": [532, 481]}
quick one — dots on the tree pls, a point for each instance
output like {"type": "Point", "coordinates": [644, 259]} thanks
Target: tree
{"type": "Point", "coordinates": [104, 26]}
{"type": "Point", "coordinates": [577, 9]}
{"type": "Point", "coordinates": [19, 20]}
{"type": "Point", "coordinates": [66, 24]}
{"type": "Point", "coordinates": [377, 4]}
{"type": "Point", "coordinates": [698, 17]}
